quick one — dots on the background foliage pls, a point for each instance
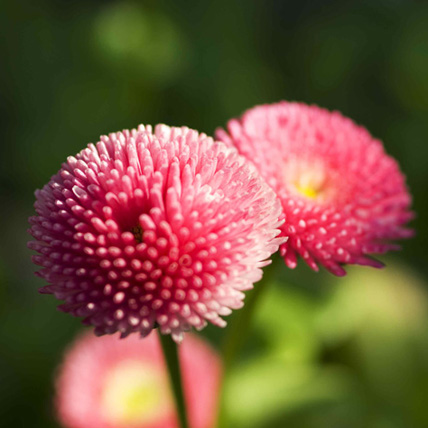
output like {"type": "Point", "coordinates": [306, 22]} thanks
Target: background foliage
{"type": "Point", "coordinates": [324, 352]}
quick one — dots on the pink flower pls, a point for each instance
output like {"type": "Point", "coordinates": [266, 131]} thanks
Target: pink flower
{"type": "Point", "coordinates": [343, 197]}
{"type": "Point", "coordinates": [151, 229]}
{"type": "Point", "coordinates": [109, 383]}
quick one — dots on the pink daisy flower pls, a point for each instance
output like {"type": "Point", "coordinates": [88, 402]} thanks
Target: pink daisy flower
{"type": "Point", "coordinates": [343, 197]}
{"type": "Point", "coordinates": [145, 229]}
{"type": "Point", "coordinates": [108, 383]}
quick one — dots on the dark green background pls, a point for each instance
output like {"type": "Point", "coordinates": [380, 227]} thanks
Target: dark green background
{"type": "Point", "coordinates": [72, 70]}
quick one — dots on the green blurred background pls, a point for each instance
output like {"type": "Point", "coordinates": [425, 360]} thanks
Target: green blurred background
{"type": "Point", "coordinates": [323, 352]}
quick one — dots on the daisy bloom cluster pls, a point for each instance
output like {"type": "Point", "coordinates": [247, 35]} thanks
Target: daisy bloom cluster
{"type": "Point", "coordinates": [343, 197]}
{"type": "Point", "coordinates": [108, 383]}
{"type": "Point", "coordinates": [154, 228]}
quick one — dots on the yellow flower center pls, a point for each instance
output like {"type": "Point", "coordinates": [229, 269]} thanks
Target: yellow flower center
{"type": "Point", "coordinates": [307, 178]}
{"type": "Point", "coordinates": [134, 393]}
{"type": "Point", "coordinates": [308, 191]}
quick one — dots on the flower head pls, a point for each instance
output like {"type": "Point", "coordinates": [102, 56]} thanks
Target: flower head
{"type": "Point", "coordinates": [343, 197]}
{"type": "Point", "coordinates": [105, 383]}
{"type": "Point", "coordinates": [145, 229]}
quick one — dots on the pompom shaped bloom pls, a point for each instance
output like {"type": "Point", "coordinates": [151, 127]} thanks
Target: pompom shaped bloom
{"type": "Point", "coordinates": [145, 229]}
{"type": "Point", "coordinates": [108, 383]}
{"type": "Point", "coordinates": [343, 197]}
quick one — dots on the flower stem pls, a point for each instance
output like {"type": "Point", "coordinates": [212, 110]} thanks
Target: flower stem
{"type": "Point", "coordinates": [169, 348]}
{"type": "Point", "coordinates": [237, 333]}
{"type": "Point", "coordinates": [239, 327]}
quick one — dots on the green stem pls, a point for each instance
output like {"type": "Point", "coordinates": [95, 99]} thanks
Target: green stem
{"type": "Point", "coordinates": [169, 348]}
{"type": "Point", "coordinates": [237, 332]}
{"type": "Point", "coordinates": [238, 329]}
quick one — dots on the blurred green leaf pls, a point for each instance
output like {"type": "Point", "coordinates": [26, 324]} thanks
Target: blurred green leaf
{"type": "Point", "coordinates": [285, 320]}
{"type": "Point", "coordinates": [266, 389]}
{"type": "Point", "coordinates": [409, 62]}
{"type": "Point", "coordinates": [141, 41]}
